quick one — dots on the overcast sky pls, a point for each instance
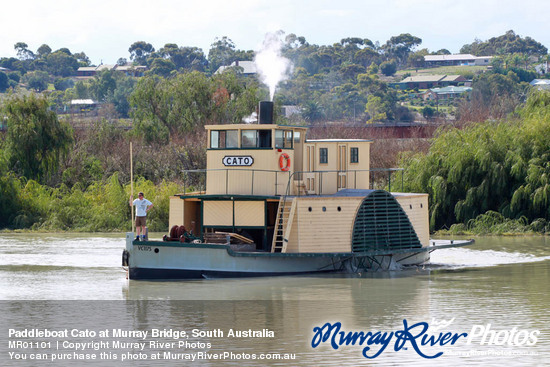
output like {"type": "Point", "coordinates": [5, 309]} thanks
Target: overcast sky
{"type": "Point", "coordinates": [104, 30]}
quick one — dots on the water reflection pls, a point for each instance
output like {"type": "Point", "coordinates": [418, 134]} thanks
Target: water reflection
{"type": "Point", "coordinates": [498, 281]}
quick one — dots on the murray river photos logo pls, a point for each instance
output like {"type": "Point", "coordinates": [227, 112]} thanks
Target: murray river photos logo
{"type": "Point", "coordinates": [425, 339]}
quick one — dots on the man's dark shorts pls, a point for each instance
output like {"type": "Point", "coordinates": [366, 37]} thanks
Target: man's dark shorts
{"type": "Point", "coordinates": [141, 221]}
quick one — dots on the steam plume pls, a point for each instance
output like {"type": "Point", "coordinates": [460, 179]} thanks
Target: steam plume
{"type": "Point", "coordinates": [272, 66]}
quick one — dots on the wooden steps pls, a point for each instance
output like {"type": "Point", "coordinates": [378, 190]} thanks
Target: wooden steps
{"type": "Point", "coordinates": [283, 224]}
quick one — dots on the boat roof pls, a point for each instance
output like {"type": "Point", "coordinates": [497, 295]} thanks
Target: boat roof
{"type": "Point", "coordinates": [359, 193]}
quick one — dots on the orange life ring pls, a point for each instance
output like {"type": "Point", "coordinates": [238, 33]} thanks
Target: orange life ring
{"type": "Point", "coordinates": [284, 162]}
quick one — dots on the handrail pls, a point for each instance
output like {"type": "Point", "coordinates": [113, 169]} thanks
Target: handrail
{"type": "Point", "coordinates": [276, 174]}
{"type": "Point", "coordinates": [320, 191]}
{"type": "Point", "coordinates": [292, 176]}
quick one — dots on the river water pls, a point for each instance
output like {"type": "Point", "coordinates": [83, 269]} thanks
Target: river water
{"type": "Point", "coordinates": [495, 293]}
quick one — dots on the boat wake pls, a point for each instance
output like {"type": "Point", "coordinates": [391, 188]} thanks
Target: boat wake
{"type": "Point", "coordinates": [464, 257]}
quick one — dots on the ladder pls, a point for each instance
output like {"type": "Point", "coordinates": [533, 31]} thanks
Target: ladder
{"type": "Point", "coordinates": [283, 224]}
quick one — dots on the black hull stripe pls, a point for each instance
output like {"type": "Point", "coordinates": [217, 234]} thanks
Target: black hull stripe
{"type": "Point", "coordinates": [149, 273]}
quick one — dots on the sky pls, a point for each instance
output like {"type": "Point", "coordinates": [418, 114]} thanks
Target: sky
{"type": "Point", "coordinates": [104, 30]}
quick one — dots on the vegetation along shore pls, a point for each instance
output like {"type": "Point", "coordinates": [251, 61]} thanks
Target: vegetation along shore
{"type": "Point", "coordinates": [472, 133]}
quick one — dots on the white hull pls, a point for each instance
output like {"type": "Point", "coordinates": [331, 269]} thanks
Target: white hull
{"type": "Point", "coordinates": [174, 260]}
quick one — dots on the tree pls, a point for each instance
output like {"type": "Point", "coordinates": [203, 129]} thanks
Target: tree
{"type": "Point", "coordinates": [37, 80]}
{"type": "Point", "coordinates": [375, 109]}
{"type": "Point", "coordinates": [162, 67]}
{"type": "Point", "coordinates": [23, 51]}
{"type": "Point", "coordinates": [61, 64]}
{"type": "Point", "coordinates": [82, 58]}
{"type": "Point", "coordinates": [124, 88]}
{"type": "Point", "coordinates": [4, 82]}
{"type": "Point", "coordinates": [103, 85]}
{"type": "Point", "coordinates": [399, 47]}
{"type": "Point", "coordinates": [428, 112]}
{"type": "Point", "coordinates": [416, 59]}
{"type": "Point", "coordinates": [312, 111]}
{"type": "Point", "coordinates": [36, 140]}
{"type": "Point", "coordinates": [508, 43]}
{"type": "Point", "coordinates": [388, 68]}
{"type": "Point", "coordinates": [139, 51]}
{"type": "Point", "coordinates": [63, 84]}
{"type": "Point", "coordinates": [222, 52]}
{"type": "Point", "coordinates": [43, 51]}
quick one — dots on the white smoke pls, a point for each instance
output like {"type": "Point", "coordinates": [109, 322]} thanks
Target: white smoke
{"type": "Point", "coordinates": [272, 66]}
{"type": "Point", "coordinates": [251, 119]}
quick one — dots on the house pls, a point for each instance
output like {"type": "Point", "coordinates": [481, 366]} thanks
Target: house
{"type": "Point", "coordinates": [542, 68]}
{"type": "Point", "coordinates": [289, 111]}
{"type": "Point", "coordinates": [430, 81]}
{"type": "Point", "coordinates": [457, 59]}
{"type": "Point", "coordinates": [131, 70]}
{"type": "Point", "coordinates": [445, 93]}
{"type": "Point", "coordinates": [248, 67]}
{"type": "Point", "coordinates": [541, 84]}
{"type": "Point", "coordinates": [83, 105]}
{"type": "Point", "coordinates": [87, 72]}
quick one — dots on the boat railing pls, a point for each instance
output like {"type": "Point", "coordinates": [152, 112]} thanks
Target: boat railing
{"type": "Point", "coordinates": [281, 183]}
{"type": "Point", "coordinates": [328, 182]}
{"type": "Point", "coordinates": [241, 181]}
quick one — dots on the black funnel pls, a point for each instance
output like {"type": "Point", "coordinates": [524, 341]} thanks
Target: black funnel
{"type": "Point", "coordinates": [265, 116]}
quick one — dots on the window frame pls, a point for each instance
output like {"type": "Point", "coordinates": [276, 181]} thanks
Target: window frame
{"type": "Point", "coordinates": [354, 155]}
{"type": "Point", "coordinates": [323, 155]}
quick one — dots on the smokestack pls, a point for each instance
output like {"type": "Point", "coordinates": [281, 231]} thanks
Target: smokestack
{"type": "Point", "coordinates": [265, 116]}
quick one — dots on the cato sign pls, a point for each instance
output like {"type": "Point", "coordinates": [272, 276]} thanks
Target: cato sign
{"type": "Point", "coordinates": [237, 160]}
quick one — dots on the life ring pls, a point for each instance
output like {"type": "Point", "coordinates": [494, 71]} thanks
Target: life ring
{"type": "Point", "coordinates": [284, 162]}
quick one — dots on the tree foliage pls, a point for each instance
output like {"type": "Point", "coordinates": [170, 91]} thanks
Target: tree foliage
{"type": "Point", "coordinates": [164, 107]}
{"type": "Point", "coordinates": [36, 140]}
{"type": "Point", "coordinates": [508, 43]}
{"type": "Point", "coordinates": [501, 166]}
{"type": "Point", "coordinates": [139, 51]}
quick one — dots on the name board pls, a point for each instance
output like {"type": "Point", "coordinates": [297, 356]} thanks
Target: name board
{"type": "Point", "coordinates": [237, 160]}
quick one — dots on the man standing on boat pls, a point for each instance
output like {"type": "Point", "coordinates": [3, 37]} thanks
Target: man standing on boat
{"type": "Point", "coordinates": [142, 207]}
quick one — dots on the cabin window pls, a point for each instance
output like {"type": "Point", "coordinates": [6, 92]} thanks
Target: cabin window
{"type": "Point", "coordinates": [283, 139]}
{"type": "Point", "coordinates": [222, 139]}
{"type": "Point", "coordinates": [354, 155]}
{"type": "Point", "coordinates": [255, 138]}
{"type": "Point", "coordinates": [323, 155]}
{"type": "Point", "coordinates": [296, 137]}
{"type": "Point", "coordinates": [249, 138]}
{"type": "Point", "coordinates": [232, 139]}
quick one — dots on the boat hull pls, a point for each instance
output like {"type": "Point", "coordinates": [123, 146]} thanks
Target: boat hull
{"type": "Point", "coordinates": [174, 260]}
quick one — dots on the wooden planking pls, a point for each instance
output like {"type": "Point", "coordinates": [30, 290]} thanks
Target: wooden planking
{"type": "Point", "coordinates": [218, 213]}
{"type": "Point", "coordinates": [418, 215]}
{"type": "Point", "coordinates": [175, 217]}
{"type": "Point", "coordinates": [250, 213]}
{"type": "Point", "coordinates": [240, 179]}
{"type": "Point", "coordinates": [326, 231]}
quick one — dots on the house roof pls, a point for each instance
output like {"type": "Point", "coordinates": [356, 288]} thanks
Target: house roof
{"type": "Point", "coordinates": [423, 79]}
{"type": "Point", "coordinates": [540, 82]}
{"type": "Point", "coordinates": [130, 67]}
{"type": "Point", "coordinates": [451, 90]}
{"type": "Point", "coordinates": [453, 78]}
{"type": "Point", "coordinates": [105, 67]}
{"type": "Point", "coordinates": [249, 67]}
{"type": "Point", "coordinates": [455, 57]}
{"type": "Point", "coordinates": [82, 101]}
